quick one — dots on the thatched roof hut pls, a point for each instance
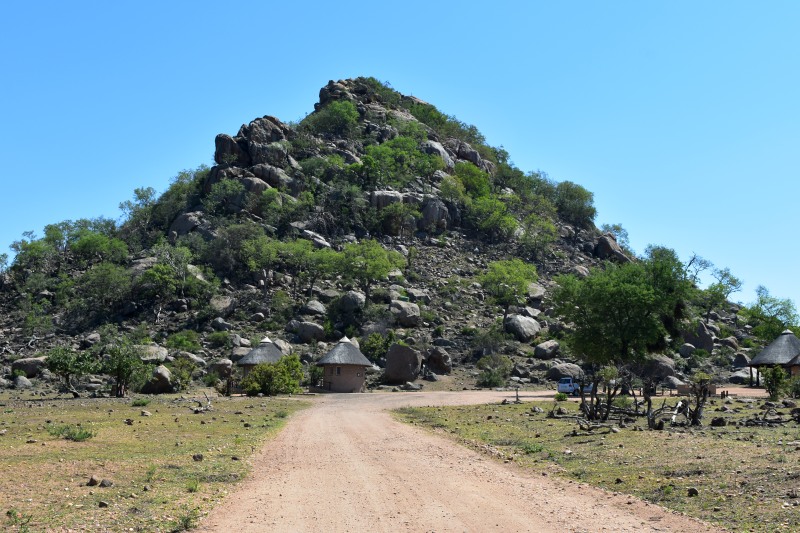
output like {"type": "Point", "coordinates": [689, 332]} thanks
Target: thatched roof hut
{"type": "Point", "coordinates": [266, 352]}
{"type": "Point", "coordinates": [784, 351]}
{"type": "Point", "coordinates": [344, 368]}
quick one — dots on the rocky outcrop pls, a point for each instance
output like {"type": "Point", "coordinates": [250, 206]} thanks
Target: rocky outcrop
{"type": "Point", "coordinates": [160, 382]}
{"type": "Point", "coordinates": [406, 314]}
{"type": "Point", "coordinates": [607, 248]}
{"type": "Point", "coordinates": [524, 328]}
{"type": "Point", "coordinates": [30, 366]}
{"type": "Point", "coordinates": [547, 350]}
{"type": "Point", "coordinates": [700, 337]}
{"type": "Point", "coordinates": [564, 370]}
{"type": "Point", "coordinates": [403, 364]}
{"type": "Point", "coordinates": [438, 360]}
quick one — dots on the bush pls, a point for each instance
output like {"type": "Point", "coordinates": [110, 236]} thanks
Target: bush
{"type": "Point", "coordinates": [496, 369]}
{"type": "Point", "coordinates": [575, 204]}
{"type": "Point", "coordinates": [375, 346]}
{"type": "Point", "coordinates": [561, 397]}
{"type": "Point", "coordinates": [338, 118]}
{"type": "Point", "coordinates": [73, 433]}
{"type": "Point", "coordinates": [219, 339]}
{"type": "Point", "coordinates": [282, 377]}
{"type": "Point", "coordinates": [140, 402]}
{"type": "Point", "coordinates": [186, 340]}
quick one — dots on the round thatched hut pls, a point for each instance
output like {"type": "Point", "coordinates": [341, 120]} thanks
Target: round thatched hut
{"type": "Point", "coordinates": [344, 368]}
{"type": "Point", "coordinates": [783, 351]}
{"type": "Point", "coordinates": [266, 352]}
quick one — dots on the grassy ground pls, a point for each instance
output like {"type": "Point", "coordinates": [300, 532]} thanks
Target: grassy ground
{"type": "Point", "coordinates": [746, 478]}
{"type": "Point", "coordinates": [158, 482]}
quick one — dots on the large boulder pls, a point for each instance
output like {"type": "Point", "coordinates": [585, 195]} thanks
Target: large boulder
{"type": "Point", "coordinates": [272, 176]}
{"type": "Point", "coordinates": [657, 367]}
{"type": "Point", "coordinates": [160, 382]}
{"type": "Point", "coordinates": [30, 366]}
{"type": "Point", "coordinates": [524, 328]}
{"type": "Point", "coordinates": [564, 370]}
{"type": "Point", "coordinates": [21, 382]}
{"type": "Point", "coordinates": [742, 377]}
{"type": "Point", "coordinates": [152, 353]}
{"type": "Point", "coordinates": [221, 367]}
{"type": "Point", "coordinates": [438, 360]}
{"type": "Point", "coordinates": [313, 307]}
{"type": "Point", "coordinates": [196, 359]}
{"type": "Point", "coordinates": [229, 152]}
{"type": "Point", "coordinates": [607, 248]}
{"type": "Point", "coordinates": [547, 350]}
{"type": "Point", "coordinates": [352, 301]}
{"type": "Point", "coordinates": [686, 350]}
{"type": "Point", "coordinates": [381, 199]}
{"type": "Point", "coordinates": [222, 305]}
{"type": "Point", "coordinates": [435, 148]}
{"type": "Point", "coordinates": [403, 364]}
{"type": "Point", "coordinates": [671, 382]}
{"type": "Point", "coordinates": [310, 331]}
{"type": "Point", "coordinates": [406, 314]}
{"type": "Point", "coordinates": [741, 360]}
{"type": "Point", "coordinates": [435, 215]}
{"type": "Point", "coordinates": [700, 337]}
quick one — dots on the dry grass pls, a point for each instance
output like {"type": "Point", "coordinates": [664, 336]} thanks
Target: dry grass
{"type": "Point", "coordinates": [157, 484]}
{"type": "Point", "coordinates": [747, 478]}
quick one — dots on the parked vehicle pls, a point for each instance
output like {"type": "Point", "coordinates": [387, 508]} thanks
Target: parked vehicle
{"type": "Point", "coordinates": [572, 386]}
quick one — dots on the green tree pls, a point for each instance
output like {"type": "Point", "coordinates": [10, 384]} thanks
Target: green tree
{"type": "Point", "coordinates": [92, 246]}
{"type": "Point", "coordinates": [538, 234]}
{"type": "Point", "coordinates": [491, 217]}
{"type": "Point", "coordinates": [99, 292]}
{"type": "Point", "coordinates": [68, 364]}
{"type": "Point", "coordinates": [366, 262]}
{"type": "Point", "coordinates": [776, 381]}
{"type": "Point", "coordinates": [398, 217]}
{"type": "Point", "coordinates": [575, 204]}
{"type": "Point", "coordinates": [226, 196]}
{"type": "Point", "coordinates": [124, 364]}
{"type": "Point", "coordinates": [507, 282]}
{"type": "Point", "coordinates": [283, 377]}
{"type": "Point", "coordinates": [770, 315]}
{"type": "Point", "coordinates": [338, 118]}
{"type": "Point", "coordinates": [620, 235]}
{"type": "Point", "coordinates": [717, 294]}
{"type": "Point", "coordinates": [138, 214]}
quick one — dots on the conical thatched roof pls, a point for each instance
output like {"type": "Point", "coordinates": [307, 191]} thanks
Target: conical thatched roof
{"type": "Point", "coordinates": [266, 352]}
{"type": "Point", "coordinates": [344, 353]}
{"type": "Point", "coordinates": [784, 350]}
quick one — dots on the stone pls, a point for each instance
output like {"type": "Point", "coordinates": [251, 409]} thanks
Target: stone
{"type": "Point", "coordinates": [524, 328]}
{"type": "Point", "coordinates": [535, 291]}
{"type": "Point", "coordinates": [90, 340]}
{"type": "Point", "coordinates": [718, 422]}
{"type": "Point", "coordinates": [106, 483]}
{"type": "Point", "coordinates": [607, 248]}
{"type": "Point", "coordinates": [272, 176]}
{"type": "Point", "coordinates": [403, 363]}
{"type": "Point", "coordinates": [228, 151]}
{"type": "Point", "coordinates": [657, 367]}
{"type": "Point", "coordinates": [730, 342]}
{"type": "Point", "coordinates": [741, 360]}
{"type": "Point", "coordinates": [31, 366]}
{"type": "Point", "coordinates": [222, 305]}
{"type": "Point", "coordinates": [417, 295]}
{"type": "Point", "coordinates": [564, 370]}
{"type": "Point", "coordinates": [580, 271]}
{"type": "Point", "coordinates": [102, 503]}
{"type": "Point", "coordinates": [671, 382]}
{"type": "Point", "coordinates": [741, 377]}
{"type": "Point", "coordinates": [435, 148]}
{"type": "Point", "coordinates": [21, 382]}
{"type": "Point", "coordinates": [219, 324]}
{"type": "Point", "coordinates": [686, 350]}
{"type": "Point", "coordinates": [438, 360]}
{"type": "Point", "coordinates": [314, 307]}
{"type": "Point", "coordinates": [197, 360]}
{"type": "Point", "coordinates": [406, 314]}
{"type": "Point", "coordinates": [152, 353]}
{"type": "Point", "coordinates": [93, 481]}
{"type": "Point", "coordinates": [547, 350]}
{"type": "Point", "coordinates": [692, 492]}
{"type": "Point", "coordinates": [310, 331]}
{"type": "Point", "coordinates": [381, 199]}
{"type": "Point", "coordinates": [221, 367]}
{"type": "Point", "coordinates": [160, 382]}
{"type": "Point", "coordinates": [185, 223]}
{"type": "Point", "coordinates": [352, 301]}
{"type": "Point", "coordinates": [700, 337]}
{"type": "Point", "coordinates": [435, 216]}
{"type": "Point", "coordinates": [316, 239]}
{"type": "Point", "coordinates": [285, 347]}
{"type": "Point", "coordinates": [238, 352]}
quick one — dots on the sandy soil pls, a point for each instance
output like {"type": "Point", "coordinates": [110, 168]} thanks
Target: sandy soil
{"type": "Point", "coordinates": [346, 465]}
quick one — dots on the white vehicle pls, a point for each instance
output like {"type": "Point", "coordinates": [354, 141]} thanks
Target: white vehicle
{"type": "Point", "coordinates": [571, 386]}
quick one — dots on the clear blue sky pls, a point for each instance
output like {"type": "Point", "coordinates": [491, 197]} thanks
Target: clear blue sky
{"type": "Point", "coordinates": [682, 117]}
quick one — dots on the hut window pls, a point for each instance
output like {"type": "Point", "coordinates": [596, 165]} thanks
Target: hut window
{"type": "Point", "coordinates": [338, 370]}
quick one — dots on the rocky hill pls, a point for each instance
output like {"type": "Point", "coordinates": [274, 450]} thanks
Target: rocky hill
{"type": "Point", "coordinates": [266, 243]}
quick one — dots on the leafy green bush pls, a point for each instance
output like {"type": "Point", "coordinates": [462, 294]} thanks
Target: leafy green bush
{"type": "Point", "coordinates": [338, 118]}
{"type": "Point", "coordinates": [140, 402]}
{"type": "Point", "coordinates": [187, 340]}
{"type": "Point", "coordinates": [775, 381]}
{"type": "Point", "coordinates": [283, 377]}
{"type": "Point", "coordinates": [375, 346]}
{"type": "Point", "coordinates": [561, 397]}
{"type": "Point", "coordinates": [73, 433]}
{"type": "Point", "coordinates": [575, 204]}
{"type": "Point", "coordinates": [219, 339]}
{"type": "Point", "coordinates": [495, 370]}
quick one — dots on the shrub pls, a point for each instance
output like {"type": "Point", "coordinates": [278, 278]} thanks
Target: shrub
{"type": "Point", "coordinates": [186, 340]}
{"type": "Point", "coordinates": [375, 346]}
{"type": "Point", "coordinates": [219, 339]}
{"type": "Point", "coordinates": [73, 433]}
{"type": "Point", "coordinates": [338, 118]}
{"type": "Point", "coordinates": [282, 377]}
{"type": "Point", "coordinates": [575, 204]}
{"type": "Point", "coordinates": [775, 382]}
{"type": "Point", "coordinates": [140, 402]}
{"type": "Point", "coordinates": [496, 369]}
{"type": "Point", "coordinates": [561, 397]}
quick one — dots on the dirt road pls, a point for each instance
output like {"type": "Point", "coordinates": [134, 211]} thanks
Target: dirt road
{"type": "Point", "coordinates": [344, 465]}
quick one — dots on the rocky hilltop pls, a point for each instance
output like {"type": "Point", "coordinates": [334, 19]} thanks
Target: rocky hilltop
{"type": "Point", "coordinates": [263, 244]}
